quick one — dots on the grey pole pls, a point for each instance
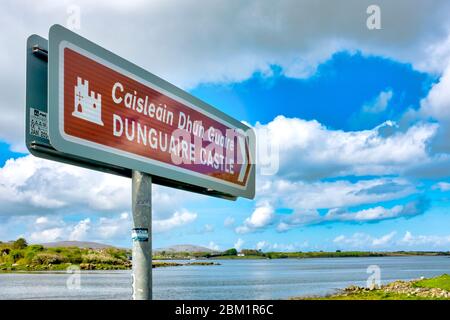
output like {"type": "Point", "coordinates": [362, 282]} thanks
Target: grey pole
{"type": "Point", "coordinates": [141, 235]}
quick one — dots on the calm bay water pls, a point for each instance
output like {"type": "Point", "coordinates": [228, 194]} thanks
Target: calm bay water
{"type": "Point", "coordinates": [233, 279]}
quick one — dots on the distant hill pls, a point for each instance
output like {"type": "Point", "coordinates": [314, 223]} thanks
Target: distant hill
{"type": "Point", "coordinates": [185, 248]}
{"type": "Point", "coordinates": [79, 244]}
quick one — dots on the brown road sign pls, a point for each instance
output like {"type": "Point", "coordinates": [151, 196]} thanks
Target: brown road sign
{"type": "Point", "coordinates": [104, 108]}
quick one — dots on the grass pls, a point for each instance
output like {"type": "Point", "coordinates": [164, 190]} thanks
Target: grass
{"type": "Point", "coordinates": [441, 282]}
{"type": "Point", "coordinates": [373, 295]}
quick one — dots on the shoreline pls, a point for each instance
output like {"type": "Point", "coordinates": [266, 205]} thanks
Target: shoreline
{"type": "Point", "coordinates": [435, 288]}
{"type": "Point", "coordinates": [19, 256]}
{"type": "Point", "coordinates": [94, 267]}
{"type": "Point", "coordinates": [305, 257]}
{"type": "Point", "coordinates": [171, 262]}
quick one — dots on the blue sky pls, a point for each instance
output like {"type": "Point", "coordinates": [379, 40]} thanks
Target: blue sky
{"type": "Point", "coordinates": [359, 127]}
{"type": "Point", "coordinates": [333, 96]}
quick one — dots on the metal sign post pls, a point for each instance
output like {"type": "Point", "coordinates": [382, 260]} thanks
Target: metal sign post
{"type": "Point", "coordinates": [141, 235]}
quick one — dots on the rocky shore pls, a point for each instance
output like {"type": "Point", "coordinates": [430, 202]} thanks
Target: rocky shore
{"type": "Point", "coordinates": [407, 288]}
{"type": "Point", "coordinates": [437, 288]}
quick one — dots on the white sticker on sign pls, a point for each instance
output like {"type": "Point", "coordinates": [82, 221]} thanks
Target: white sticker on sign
{"type": "Point", "coordinates": [38, 123]}
{"type": "Point", "coordinates": [139, 234]}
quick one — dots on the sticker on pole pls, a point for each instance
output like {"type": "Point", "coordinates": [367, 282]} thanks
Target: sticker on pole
{"type": "Point", "coordinates": [38, 123]}
{"type": "Point", "coordinates": [104, 108]}
{"type": "Point", "coordinates": [139, 234]}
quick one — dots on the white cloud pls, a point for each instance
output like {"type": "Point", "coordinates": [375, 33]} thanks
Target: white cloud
{"type": "Point", "coordinates": [178, 219]}
{"type": "Point", "coordinates": [107, 228]}
{"type": "Point", "coordinates": [426, 240]}
{"type": "Point", "coordinates": [362, 240]}
{"type": "Point", "coordinates": [31, 186]}
{"type": "Point", "coordinates": [208, 228]}
{"type": "Point", "coordinates": [373, 113]}
{"type": "Point", "coordinates": [42, 220]}
{"type": "Point", "coordinates": [38, 188]}
{"type": "Point", "coordinates": [380, 103]}
{"type": "Point", "coordinates": [299, 218]}
{"type": "Point", "coordinates": [238, 244]}
{"type": "Point", "coordinates": [442, 186]}
{"type": "Point", "coordinates": [437, 102]}
{"type": "Point", "coordinates": [283, 226]}
{"type": "Point", "coordinates": [311, 151]}
{"type": "Point", "coordinates": [378, 213]}
{"type": "Point", "coordinates": [283, 247]}
{"type": "Point", "coordinates": [47, 235]}
{"type": "Point", "coordinates": [40, 223]}
{"type": "Point", "coordinates": [384, 240]}
{"type": "Point", "coordinates": [229, 222]}
{"type": "Point", "coordinates": [261, 217]}
{"type": "Point", "coordinates": [437, 106]}
{"type": "Point", "coordinates": [309, 196]}
{"type": "Point", "coordinates": [113, 227]}
{"type": "Point", "coordinates": [261, 245]}
{"type": "Point", "coordinates": [80, 230]}
{"type": "Point", "coordinates": [213, 246]}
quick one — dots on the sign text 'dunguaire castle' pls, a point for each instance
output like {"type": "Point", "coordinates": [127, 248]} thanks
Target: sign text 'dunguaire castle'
{"type": "Point", "coordinates": [109, 109]}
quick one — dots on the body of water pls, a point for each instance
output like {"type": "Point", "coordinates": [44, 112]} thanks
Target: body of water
{"type": "Point", "coordinates": [233, 279]}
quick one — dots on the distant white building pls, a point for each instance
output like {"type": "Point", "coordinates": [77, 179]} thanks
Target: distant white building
{"type": "Point", "coordinates": [87, 106]}
{"type": "Point", "coordinates": [241, 255]}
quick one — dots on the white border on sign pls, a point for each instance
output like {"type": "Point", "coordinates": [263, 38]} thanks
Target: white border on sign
{"type": "Point", "coordinates": [65, 44]}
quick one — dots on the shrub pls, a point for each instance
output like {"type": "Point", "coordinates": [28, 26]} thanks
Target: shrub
{"type": "Point", "coordinates": [117, 253]}
{"type": "Point", "coordinates": [20, 243]}
{"type": "Point", "coordinates": [29, 256]}
{"type": "Point", "coordinates": [47, 258]}
{"type": "Point", "coordinates": [251, 252]}
{"type": "Point", "coordinates": [75, 256]}
{"type": "Point", "coordinates": [15, 255]}
{"type": "Point", "coordinates": [98, 258]}
{"type": "Point", "coordinates": [230, 252]}
{"type": "Point", "coordinates": [35, 248]}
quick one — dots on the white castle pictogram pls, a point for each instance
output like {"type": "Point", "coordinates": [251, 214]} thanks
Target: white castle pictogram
{"type": "Point", "coordinates": [87, 106]}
